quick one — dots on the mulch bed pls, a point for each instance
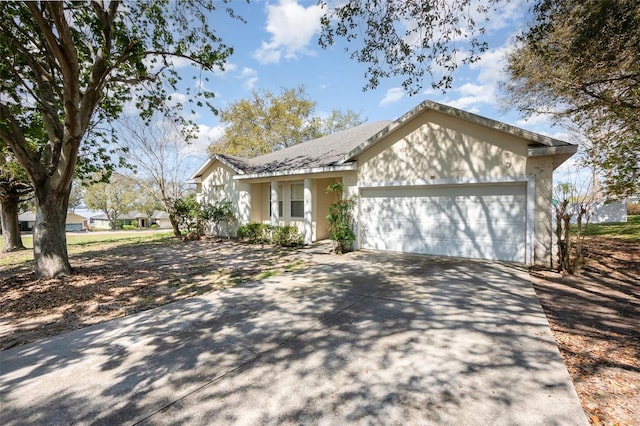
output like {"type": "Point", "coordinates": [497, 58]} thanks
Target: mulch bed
{"type": "Point", "coordinates": [595, 319]}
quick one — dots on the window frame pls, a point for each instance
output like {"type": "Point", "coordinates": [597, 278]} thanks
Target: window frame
{"type": "Point", "coordinates": [299, 201]}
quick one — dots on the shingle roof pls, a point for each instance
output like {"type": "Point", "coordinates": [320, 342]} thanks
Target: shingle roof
{"type": "Point", "coordinates": [322, 152]}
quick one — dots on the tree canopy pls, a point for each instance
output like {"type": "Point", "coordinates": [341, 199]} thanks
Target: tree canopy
{"type": "Point", "coordinates": [409, 38]}
{"type": "Point", "coordinates": [580, 61]}
{"type": "Point", "coordinates": [266, 122]}
{"type": "Point", "coordinates": [73, 64]}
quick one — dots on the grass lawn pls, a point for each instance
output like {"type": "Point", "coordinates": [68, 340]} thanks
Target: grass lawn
{"type": "Point", "coordinates": [629, 230]}
{"type": "Point", "coordinates": [80, 242]}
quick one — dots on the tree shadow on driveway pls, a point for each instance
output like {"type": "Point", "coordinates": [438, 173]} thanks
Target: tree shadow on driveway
{"type": "Point", "coordinates": [366, 338]}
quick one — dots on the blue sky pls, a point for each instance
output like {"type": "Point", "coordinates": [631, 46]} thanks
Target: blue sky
{"type": "Point", "coordinates": [277, 48]}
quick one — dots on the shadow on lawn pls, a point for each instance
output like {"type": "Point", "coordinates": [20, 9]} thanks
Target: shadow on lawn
{"type": "Point", "coordinates": [118, 281]}
{"type": "Point", "coordinates": [416, 338]}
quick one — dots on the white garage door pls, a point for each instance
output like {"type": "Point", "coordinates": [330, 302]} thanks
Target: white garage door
{"type": "Point", "coordinates": [475, 221]}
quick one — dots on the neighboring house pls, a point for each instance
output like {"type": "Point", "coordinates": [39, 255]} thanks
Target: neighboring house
{"type": "Point", "coordinates": [75, 222]}
{"type": "Point", "coordinates": [161, 219]}
{"type": "Point", "coordinates": [101, 221]}
{"type": "Point", "coordinates": [437, 180]}
{"type": "Point", "coordinates": [139, 219]}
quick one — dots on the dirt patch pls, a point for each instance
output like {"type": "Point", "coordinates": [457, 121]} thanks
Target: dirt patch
{"type": "Point", "coordinates": [595, 319]}
{"type": "Point", "coordinates": [117, 280]}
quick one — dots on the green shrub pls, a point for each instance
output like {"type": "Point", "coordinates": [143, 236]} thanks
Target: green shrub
{"type": "Point", "coordinates": [261, 233]}
{"type": "Point", "coordinates": [255, 233]}
{"type": "Point", "coordinates": [154, 226]}
{"type": "Point", "coordinates": [340, 220]}
{"type": "Point", "coordinates": [287, 236]}
{"type": "Point", "coordinates": [633, 209]}
{"type": "Point", "coordinates": [129, 227]}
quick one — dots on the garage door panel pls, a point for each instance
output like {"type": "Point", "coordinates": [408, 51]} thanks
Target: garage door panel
{"type": "Point", "coordinates": [481, 221]}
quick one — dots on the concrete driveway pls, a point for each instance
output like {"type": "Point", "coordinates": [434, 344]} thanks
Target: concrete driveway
{"type": "Point", "coordinates": [367, 338]}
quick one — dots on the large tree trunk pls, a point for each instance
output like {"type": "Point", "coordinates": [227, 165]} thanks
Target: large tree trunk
{"type": "Point", "coordinates": [175, 225]}
{"type": "Point", "coordinates": [10, 224]}
{"type": "Point", "coordinates": [49, 235]}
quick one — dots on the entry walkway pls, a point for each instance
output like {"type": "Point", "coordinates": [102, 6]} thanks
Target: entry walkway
{"type": "Point", "coordinates": [368, 338]}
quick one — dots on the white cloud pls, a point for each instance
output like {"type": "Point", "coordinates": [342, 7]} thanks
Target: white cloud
{"type": "Point", "coordinates": [250, 77]}
{"type": "Point", "coordinates": [156, 62]}
{"type": "Point", "coordinates": [292, 26]}
{"type": "Point", "coordinates": [177, 98]}
{"type": "Point", "coordinates": [228, 67]}
{"type": "Point", "coordinates": [489, 72]}
{"type": "Point", "coordinates": [535, 119]}
{"type": "Point", "coordinates": [474, 94]}
{"type": "Point", "coordinates": [393, 95]}
{"type": "Point", "coordinates": [197, 148]}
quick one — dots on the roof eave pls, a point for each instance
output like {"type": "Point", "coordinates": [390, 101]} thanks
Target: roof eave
{"type": "Point", "coordinates": [295, 172]}
{"type": "Point", "coordinates": [197, 176]}
{"type": "Point", "coordinates": [560, 154]}
{"type": "Point", "coordinates": [544, 151]}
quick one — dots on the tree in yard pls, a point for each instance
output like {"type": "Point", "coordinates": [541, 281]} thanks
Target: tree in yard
{"type": "Point", "coordinates": [265, 123]}
{"type": "Point", "coordinates": [158, 153]}
{"type": "Point", "coordinates": [409, 38]}
{"type": "Point", "coordinates": [14, 188]}
{"type": "Point", "coordinates": [114, 198]}
{"type": "Point", "coordinates": [74, 64]}
{"type": "Point", "coordinates": [572, 202]}
{"type": "Point", "coordinates": [580, 62]}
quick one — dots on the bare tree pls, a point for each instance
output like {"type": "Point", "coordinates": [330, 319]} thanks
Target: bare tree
{"type": "Point", "coordinates": [574, 202]}
{"type": "Point", "coordinates": [159, 153]}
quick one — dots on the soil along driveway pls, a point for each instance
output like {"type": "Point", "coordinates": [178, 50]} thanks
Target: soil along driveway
{"type": "Point", "coordinates": [363, 338]}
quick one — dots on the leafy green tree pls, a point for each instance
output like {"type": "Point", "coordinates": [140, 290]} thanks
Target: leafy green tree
{"type": "Point", "coordinates": [113, 198]}
{"type": "Point", "coordinates": [409, 38]}
{"type": "Point", "coordinates": [75, 64]}
{"type": "Point", "coordinates": [580, 63]}
{"type": "Point", "coordinates": [266, 122]}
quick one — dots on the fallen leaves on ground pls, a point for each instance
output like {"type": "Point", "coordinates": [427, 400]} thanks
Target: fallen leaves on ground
{"type": "Point", "coordinates": [595, 319]}
{"type": "Point", "coordinates": [120, 279]}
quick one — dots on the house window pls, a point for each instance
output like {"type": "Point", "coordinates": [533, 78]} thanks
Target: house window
{"type": "Point", "coordinates": [297, 200]}
{"type": "Point", "coordinates": [280, 202]}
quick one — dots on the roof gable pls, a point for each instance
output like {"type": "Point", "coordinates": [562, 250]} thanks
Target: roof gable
{"type": "Point", "coordinates": [534, 140]}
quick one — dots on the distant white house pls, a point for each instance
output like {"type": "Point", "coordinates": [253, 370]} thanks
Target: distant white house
{"type": "Point", "coordinates": [607, 213]}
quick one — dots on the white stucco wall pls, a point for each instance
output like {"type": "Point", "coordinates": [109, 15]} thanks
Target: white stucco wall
{"type": "Point", "coordinates": [437, 146]}
{"type": "Point", "coordinates": [218, 184]}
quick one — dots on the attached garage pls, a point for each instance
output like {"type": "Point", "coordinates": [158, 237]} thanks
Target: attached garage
{"type": "Point", "coordinates": [482, 221]}
{"type": "Point", "coordinates": [446, 182]}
